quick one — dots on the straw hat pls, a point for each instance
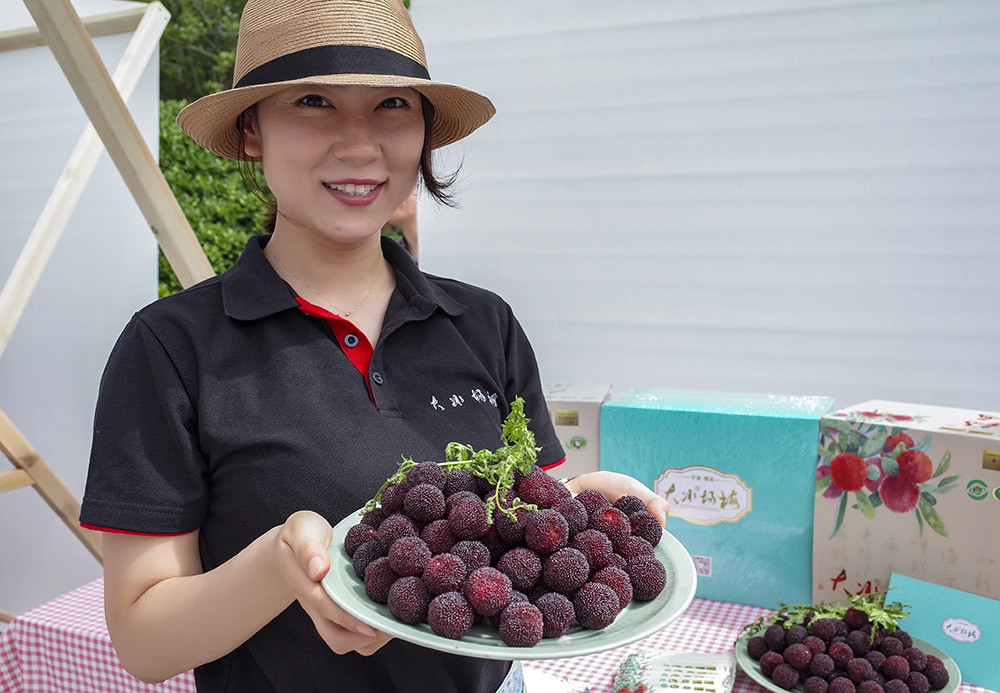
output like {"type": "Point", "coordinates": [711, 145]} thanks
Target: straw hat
{"type": "Point", "coordinates": [330, 42]}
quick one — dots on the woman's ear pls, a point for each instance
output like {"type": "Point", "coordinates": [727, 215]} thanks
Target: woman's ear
{"type": "Point", "coordinates": [250, 139]}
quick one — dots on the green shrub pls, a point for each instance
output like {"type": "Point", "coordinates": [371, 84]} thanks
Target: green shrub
{"type": "Point", "coordinates": [212, 194]}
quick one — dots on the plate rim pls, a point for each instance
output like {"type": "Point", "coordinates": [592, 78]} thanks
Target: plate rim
{"type": "Point", "coordinates": [377, 615]}
{"type": "Point", "coordinates": [751, 667]}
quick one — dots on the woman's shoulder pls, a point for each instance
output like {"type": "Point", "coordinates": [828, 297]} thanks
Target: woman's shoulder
{"type": "Point", "coordinates": [195, 304]}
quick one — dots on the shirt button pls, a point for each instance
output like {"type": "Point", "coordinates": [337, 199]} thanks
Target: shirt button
{"type": "Point", "coordinates": [377, 378]}
{"type": "Point", "coordinates": [351, 340]}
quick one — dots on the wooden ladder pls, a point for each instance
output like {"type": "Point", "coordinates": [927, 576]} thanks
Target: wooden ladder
{"type": "Point", "coordinates": [31, 470]}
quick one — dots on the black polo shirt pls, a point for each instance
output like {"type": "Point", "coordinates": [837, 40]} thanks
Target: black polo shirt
{"type": "Point", "coordinates": [230, 405]}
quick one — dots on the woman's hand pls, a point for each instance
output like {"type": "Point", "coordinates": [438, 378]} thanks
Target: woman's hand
{"type": "Point", "coordinates": [303, 542]}
{"type": "Point", "coordinates": [614, 485]}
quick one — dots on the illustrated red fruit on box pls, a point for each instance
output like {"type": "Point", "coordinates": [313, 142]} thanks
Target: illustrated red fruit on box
{"type": "Point", "coordinates": [906, 488]}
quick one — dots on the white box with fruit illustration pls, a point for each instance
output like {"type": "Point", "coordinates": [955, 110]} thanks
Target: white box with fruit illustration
{"type": "Point", "coordinates": [906, 488]}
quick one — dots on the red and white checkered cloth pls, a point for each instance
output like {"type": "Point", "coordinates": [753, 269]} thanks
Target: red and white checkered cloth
{"type": "Point", "coordinates": [63, 647]}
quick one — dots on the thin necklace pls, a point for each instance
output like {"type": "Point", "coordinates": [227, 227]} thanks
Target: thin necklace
{"type": "Point", "coordinates": [344, 313]}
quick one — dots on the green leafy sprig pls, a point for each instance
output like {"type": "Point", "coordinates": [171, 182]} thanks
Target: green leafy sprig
{"type": "Point", "coordinates": [881, 615]}
{"type": "Point", "coordinates": [499, 467]}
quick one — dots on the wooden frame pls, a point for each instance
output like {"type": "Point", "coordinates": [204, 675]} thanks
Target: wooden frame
{"type": "Point", "coordinates": [112, 126]}
{"type": "Point", "coordinates": [30, 264]}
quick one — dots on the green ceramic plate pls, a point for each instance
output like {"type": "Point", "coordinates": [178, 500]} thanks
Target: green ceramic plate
{"type": "Point", "coordinates": [635, 622]}
{"type": "Point", "coordinates": [752, 667]}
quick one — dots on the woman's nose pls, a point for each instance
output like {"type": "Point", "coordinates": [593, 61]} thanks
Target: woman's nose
{"type": "Point", "coordinates": [357, 140]}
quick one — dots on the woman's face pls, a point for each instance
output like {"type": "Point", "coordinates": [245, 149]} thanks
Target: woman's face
{"type": "Point", "coordinates": [339, 160]}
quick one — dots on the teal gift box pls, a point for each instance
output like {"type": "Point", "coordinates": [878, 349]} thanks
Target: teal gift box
{"type": "Point", "coordinates": [739, 471]}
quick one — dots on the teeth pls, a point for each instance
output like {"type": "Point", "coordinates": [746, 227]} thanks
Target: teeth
{"type": "Point", "coordinates": [351, 188]}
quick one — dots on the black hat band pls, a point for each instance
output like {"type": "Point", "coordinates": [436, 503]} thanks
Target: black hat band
{"type": "Point", "coordinates": [334, 60]}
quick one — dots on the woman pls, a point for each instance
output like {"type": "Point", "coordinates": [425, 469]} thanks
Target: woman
{"type": "Point", "coordinates": [238, 419]}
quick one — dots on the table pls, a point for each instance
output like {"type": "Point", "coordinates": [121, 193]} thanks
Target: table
{"type": "Point", "coordinates": [63, 647]}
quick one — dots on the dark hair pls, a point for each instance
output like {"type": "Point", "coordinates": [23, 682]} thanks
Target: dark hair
{"type": "Point", "coordinates": [436, 187]}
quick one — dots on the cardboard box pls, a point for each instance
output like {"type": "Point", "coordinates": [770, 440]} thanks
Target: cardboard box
{"type": "Point", "coordinates": [928, 505]}
{"type": "Point", "coordinates": [739, 472]}
{"type": "Point", "coordinates": [964, 626]}
{"type": "Point", "coordinates": [576, 414]}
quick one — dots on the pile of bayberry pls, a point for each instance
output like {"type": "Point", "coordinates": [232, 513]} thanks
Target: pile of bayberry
{"type": "Point", "coordinates": [845, 655]}
{"type": "Point", "coordinates": [433, 552]}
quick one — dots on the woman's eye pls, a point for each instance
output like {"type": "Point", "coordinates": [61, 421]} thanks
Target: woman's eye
{"type": "Point", "coordinates": [395, 102]}
{"type": "Point", "coordinates": [312, 100]}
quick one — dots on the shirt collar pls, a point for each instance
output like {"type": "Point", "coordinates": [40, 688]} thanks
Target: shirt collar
{"type": "Point", "coordinates": [251, 289]}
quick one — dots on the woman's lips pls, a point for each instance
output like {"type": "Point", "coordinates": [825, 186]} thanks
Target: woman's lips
{"type": "Point", "coordinates": [355, 193]}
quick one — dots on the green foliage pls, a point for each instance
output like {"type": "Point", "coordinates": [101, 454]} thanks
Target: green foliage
{"type": "Point", "coordinates": [198, 47]}
{"type": "Point", "coordinates": [212, 194]}
{"type": "Point", "coordinates": [499, 467]}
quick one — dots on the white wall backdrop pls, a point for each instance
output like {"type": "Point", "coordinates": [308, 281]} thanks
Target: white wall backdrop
{"type": "Point", "coordinates": [777, 196]}
{"type": "Point", "coordinates": [103, 269]}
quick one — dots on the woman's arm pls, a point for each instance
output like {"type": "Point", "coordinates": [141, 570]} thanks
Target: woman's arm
{"type": "Point", "coordinates": [166, 616]}
{"type": "Point", "coordinates": [614, 485]}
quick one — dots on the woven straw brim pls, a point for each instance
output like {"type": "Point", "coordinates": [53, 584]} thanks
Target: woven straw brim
{"type": "Point", "coordinates": [211, 120]}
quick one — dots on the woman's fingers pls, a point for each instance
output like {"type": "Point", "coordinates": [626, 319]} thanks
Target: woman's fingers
{"type": "Point", "coordinates": [615, 485]}
{"type": "Point", "coordinates": [307, 536]}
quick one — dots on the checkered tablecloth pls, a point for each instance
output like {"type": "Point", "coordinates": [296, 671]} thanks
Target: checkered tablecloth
{"type": "Point", "coordinates": [63, 647]}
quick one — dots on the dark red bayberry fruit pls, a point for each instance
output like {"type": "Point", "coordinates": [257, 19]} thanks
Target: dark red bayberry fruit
{"type": "Point", "coordinates": [565, 571]}
{"type": "Point", "coordinates": [467, 520]}
{"type": "Point", "coordinates": [916, 657]}
{"type": "Point", "coordinates": [798, 655]}
{"type": "Point", "coordinates": [917, 682]}
{"type": "Point", "coordinates": [644, 524]}
{"type": "Point", "coordinates": [379, 577]}
{"type": "Point", "coordinates": [815, 684]}
{"type": "Point", "coordinates": [358, 535]}
{"type": "Point", "coordinates": [785, 676]}
{"type": "Point", "coordinates": [595, 546]}
{"type": "Point", "coordinates": [630, 505]}
{"type": "Point", "coordinates": [522, 566]}
{"type": "Point", "coordinates": [769, 660]}
{"type": "Point", "coordinates": [475, 554]}
{"type": "Point", "coordinates": [596, 606]}
{"type": "Point", "coordinates": [428, 472]}
{"type": "Point", "coordinates": [774, 635]}
{"type": "Point", "coordinates": [592, 500]}
{"type": "Point", "coordinates": [618, 580]}
{"type": "Point", "coordinates": [859, 669]}
{"type": "Point", "coordinates": [895, 667]}
{"type": "Point", "coordinates": [445, 572]}
{"type": "Point", "coordinates": [546, 531]}
{"type": "Point", "coordinates": [365, 554]}
{"type": "Point", "coordinates": [557, 614]}
{"type": "Point", "coordinates": [756, 647]}
{"type": "Point", "coordinates": [821, 665]}
{"type": "Point", "coordinates": [937, 676]}
{"type": "Point", "coordinates": [574, 512]}
{"type": "Point", "coordinates": [424, 503]}
{"type": "Point", "coordinates": [521, 625]}
{"type": "Point", "coordinates": [409, 555]}
{"type": "Point", "coordinates": [842, 684]}
{"type": "Point", "coordinates": [394, 527]}
{"type": "Point", "coordinates": [648, 577]}
{"type": "Point", "coordinates": [438, 537]}
{"type": "Point", "coordinates": [613, 522]}
{"type": "Point", "coordinates": [408, 600]}
{"type": "Point", "coordinates": [488, 590]}
{"type": "Point", "coordinates": [450, 615]}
